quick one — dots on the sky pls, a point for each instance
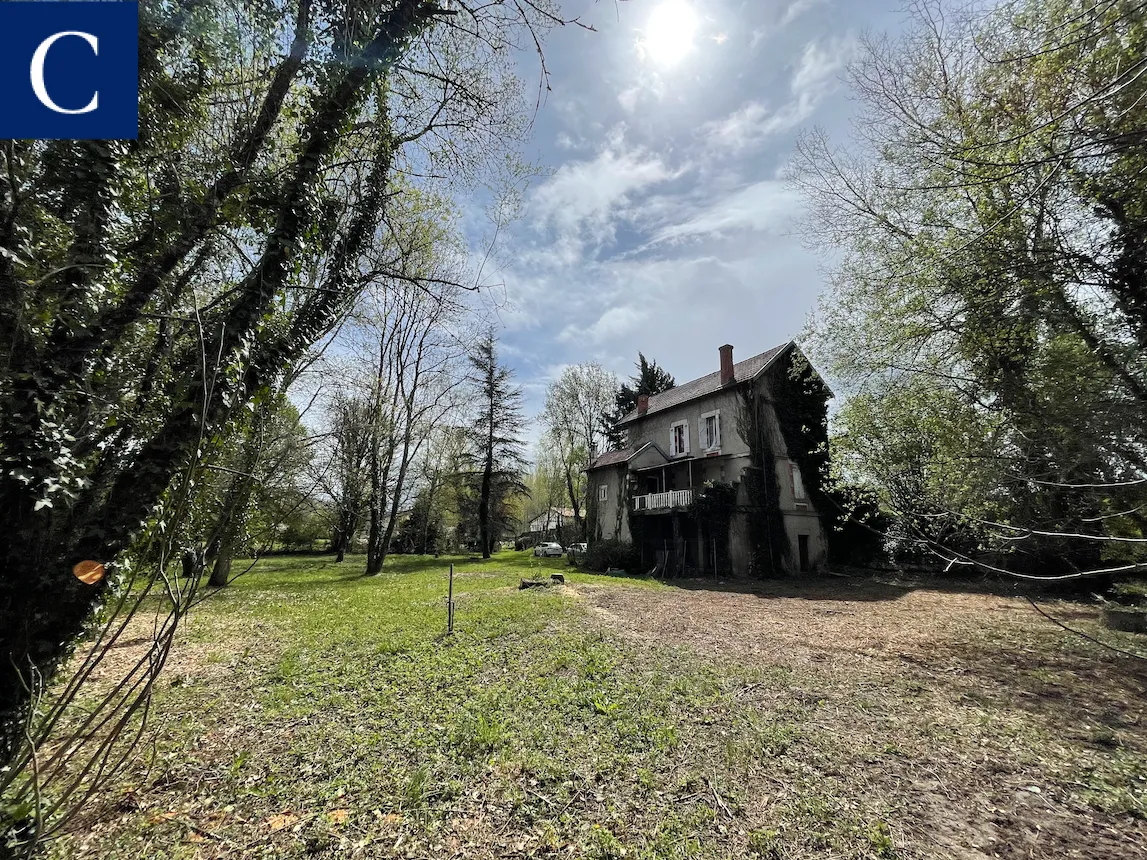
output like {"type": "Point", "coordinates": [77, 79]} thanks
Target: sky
{"type": "Point", "coordinates": [661, 222]}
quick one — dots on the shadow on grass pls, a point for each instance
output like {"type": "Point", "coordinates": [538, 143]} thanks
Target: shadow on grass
{"type": "Point", "coordinates": [869, 585]}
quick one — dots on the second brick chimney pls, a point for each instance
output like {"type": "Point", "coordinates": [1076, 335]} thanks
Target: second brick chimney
{"type": "Point", "coordinates": [642, 404]}
{"type": "Point", "coordinates": [726, 364]}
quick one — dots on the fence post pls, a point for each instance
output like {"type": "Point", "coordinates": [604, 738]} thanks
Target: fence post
{"type": "Point", "coordinates": [450, 603]}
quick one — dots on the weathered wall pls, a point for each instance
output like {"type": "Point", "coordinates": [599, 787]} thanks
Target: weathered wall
{"type": "Point", "coordinates": [656, 427]}
{"type": "Point", "coordinates": [808, 523]}
{"type": "Point", "coordinates": [610, 512]}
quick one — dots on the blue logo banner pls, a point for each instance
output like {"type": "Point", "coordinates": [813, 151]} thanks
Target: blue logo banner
{"type": "Point", "coordinates": [69, 70]}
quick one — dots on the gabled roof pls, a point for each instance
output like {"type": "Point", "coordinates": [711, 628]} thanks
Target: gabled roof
{"type": "Point", "coordinates": [745, 370]}
{"type": "Point", "coordinates": [611, 458]}
{"type": "Point", "coordinates": [616, 458]}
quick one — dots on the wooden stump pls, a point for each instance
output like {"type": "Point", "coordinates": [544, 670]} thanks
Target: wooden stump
{"type": "Point", "coordinates": [557, 579]}
{"type": "Point", "coordinates": [533, 583]}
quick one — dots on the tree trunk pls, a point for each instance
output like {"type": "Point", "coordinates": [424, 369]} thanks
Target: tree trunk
{"type": "Point", "coordinates": [221, 572]}
{"type": "Point", "coordinates": [484, 507]}
{"type": "Point", "coordinates": [578, 530]}
{"type": "Point", "coordinates": [429, 511]}
{"type": "Point", "coordinates": [192, 562]}
{"type": "Point", "coordinates": [43, 606]}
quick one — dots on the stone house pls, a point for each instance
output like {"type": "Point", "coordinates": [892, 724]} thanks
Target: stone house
{"type": "Point", "coordinates": [723, 472]}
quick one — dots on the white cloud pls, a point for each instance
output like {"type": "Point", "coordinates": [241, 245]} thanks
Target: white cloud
{"type": "Point", "coordinates": [628, 97]}
{"type": "Point", "coordinates": [820, 65]}
{"type": "Point", "coordinates": [798, 8]}
{"type": "Point", "coordinates": [614, 323]}
{"type": "Point", "coordinates": [582, 201]}
{"type": "Point", "coordinates": [814, 78]}
{"type": "Point", "coordinates": [762, 207]}
{"type": "Point", "coordinates": [791, 13]}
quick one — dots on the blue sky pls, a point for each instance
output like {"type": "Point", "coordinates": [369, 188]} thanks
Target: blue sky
{"type": "Point", "coordinates": [663, 224]}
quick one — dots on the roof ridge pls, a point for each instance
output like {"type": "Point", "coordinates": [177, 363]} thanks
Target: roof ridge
{"type": "Point", "coordinates": [673, 396]}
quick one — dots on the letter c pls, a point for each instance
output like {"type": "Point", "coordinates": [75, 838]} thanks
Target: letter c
{"type": "Point", "coordinates": [38, 72]}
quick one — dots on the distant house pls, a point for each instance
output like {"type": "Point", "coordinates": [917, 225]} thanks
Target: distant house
{"type": "Point", "coordinates": [721, 472]}
{"type": "Point", "coordinates": [551, 520]}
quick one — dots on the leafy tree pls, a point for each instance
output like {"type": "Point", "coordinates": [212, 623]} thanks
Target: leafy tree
{"type": "Point", "coordinates": [344, 478]}
{"type": "Point", "coordinates": [262, 466]}
{"type": "Point", "coordinates": [575, 402]}
{"type": "Point", "coordinates": [650, 379]}
{"type": "Point", "coordinates": [421, 531]}
{"type": "Point", "coordinates": [149, 288]}
{"type": "Point", "coordinates": [989, 306]}
{"type": "Point", "coordinates": [495, 452]}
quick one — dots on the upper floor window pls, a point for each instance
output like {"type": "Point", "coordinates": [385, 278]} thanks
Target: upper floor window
{"type": "Point", "coordinates": [798, 483]}
{"type": "Point", "coordinates": [679, 439]}
{"type": "Point", "coordinates": [710, 430]}
{"type": "Point", "coordinates": [603, 492]}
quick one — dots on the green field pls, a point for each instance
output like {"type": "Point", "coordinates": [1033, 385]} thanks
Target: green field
{"type": "Point", "coordinates": [308, 711]}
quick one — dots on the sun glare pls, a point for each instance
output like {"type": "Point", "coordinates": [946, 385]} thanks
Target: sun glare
{"type": "Point", "coordinates": [669, 32]}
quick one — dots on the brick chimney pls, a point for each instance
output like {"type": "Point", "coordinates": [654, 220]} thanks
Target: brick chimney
{"type": "Point", "coordinates": [726, 364]}
{"type": "Point", "coordinates": [642, 404]}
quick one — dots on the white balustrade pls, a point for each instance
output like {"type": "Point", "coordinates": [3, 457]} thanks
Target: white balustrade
{"type": "Point", "coordinates": [656, 501]}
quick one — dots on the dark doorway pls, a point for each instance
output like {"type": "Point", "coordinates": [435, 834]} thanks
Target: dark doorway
{"type": "Point", "coordinates": [802, 550]}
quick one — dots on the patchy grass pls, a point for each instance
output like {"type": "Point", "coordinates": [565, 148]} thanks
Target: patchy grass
{"type": "Point", "coordinates": [309, 711]}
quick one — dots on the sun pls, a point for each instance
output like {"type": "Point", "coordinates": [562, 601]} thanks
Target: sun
{"type": "Point", "coordinates": [669, 32]}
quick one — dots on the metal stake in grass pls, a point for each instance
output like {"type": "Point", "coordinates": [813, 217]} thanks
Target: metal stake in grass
{"type": "Point", "coordinates": [450, 604]}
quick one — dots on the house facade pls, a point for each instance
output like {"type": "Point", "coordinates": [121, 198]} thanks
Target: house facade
{"type": "Point", "coordinates": [721, 473]}
{"type": "Point", "coordinates": [550, 521]}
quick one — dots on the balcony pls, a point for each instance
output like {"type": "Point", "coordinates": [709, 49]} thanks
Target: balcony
{"type": "Point", "coordinates": [663, 501]}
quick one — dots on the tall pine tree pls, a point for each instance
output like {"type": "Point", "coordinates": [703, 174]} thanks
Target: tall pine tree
{"type": "Point", "coordinates": [650, 379]}
{"type": "Point", "coordinates": [496, 450]}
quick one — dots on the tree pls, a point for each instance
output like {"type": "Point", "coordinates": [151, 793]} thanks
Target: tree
{"type": "Point", "coordinates": [575, 402]}
{"type": "Point", "coordinates": [149, 289]}
{"type": "Point", "coordinates": [420, 532]}
{"type": "Point", "coordinates": [990, 209]}
{"type": "Point", "coordinates": [495, 451]}
{"type": "Point", "coordinates": [546, 484]}
{"type": "Point", "coordinates": [418, 350]}
{"type": "Point", "coordinates": [651, 379]}
{"type": "Point", "coordinates": [265, 464]}
{"type": "Point", "coordinates": [343, 477]}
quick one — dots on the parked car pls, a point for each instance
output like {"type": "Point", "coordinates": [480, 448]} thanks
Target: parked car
{"type": "Point", "coordinates": [578, 548]}
{"type": "Point", "coordinates": [549, 550]}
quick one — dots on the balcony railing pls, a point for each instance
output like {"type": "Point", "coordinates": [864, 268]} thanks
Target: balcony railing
{"type": "Point", "coordinates": [671, 499]}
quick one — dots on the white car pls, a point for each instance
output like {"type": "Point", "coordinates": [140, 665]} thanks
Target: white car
{"type": "Point", "coordinates": [549, 550]}
{"type": "Point", "coordinates": [579, 548]}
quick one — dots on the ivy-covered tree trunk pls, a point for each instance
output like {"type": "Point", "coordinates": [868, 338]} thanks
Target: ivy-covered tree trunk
{"type": "Point", "coordinates": [79, 483]}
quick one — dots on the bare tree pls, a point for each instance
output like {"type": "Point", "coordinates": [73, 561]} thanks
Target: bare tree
{"type": "Point", "coordinates": [575, 404]}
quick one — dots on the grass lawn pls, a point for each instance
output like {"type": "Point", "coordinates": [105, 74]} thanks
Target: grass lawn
{"type": "Point", "coordinates": [308, 711]}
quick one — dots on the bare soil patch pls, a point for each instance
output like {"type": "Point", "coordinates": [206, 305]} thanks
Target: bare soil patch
{"type": "Point", "coordinates": [982, 729]}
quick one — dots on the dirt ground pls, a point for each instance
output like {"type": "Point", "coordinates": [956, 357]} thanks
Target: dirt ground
{"type": "Point", "coordinates": [979, 726]}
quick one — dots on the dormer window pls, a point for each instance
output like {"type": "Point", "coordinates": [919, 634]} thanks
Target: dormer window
{"type": "Point", "coordinates": [679, 439]}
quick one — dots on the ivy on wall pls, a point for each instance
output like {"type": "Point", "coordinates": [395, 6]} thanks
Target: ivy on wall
{"type": "Point", "coordinates": [592, 520]}
{"type": "Point", "coordinates": [768, 542]}
{"type": "Point", "coordinates": [714, 507]}
{"type": "Point", "coordinates": [800, 401]}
